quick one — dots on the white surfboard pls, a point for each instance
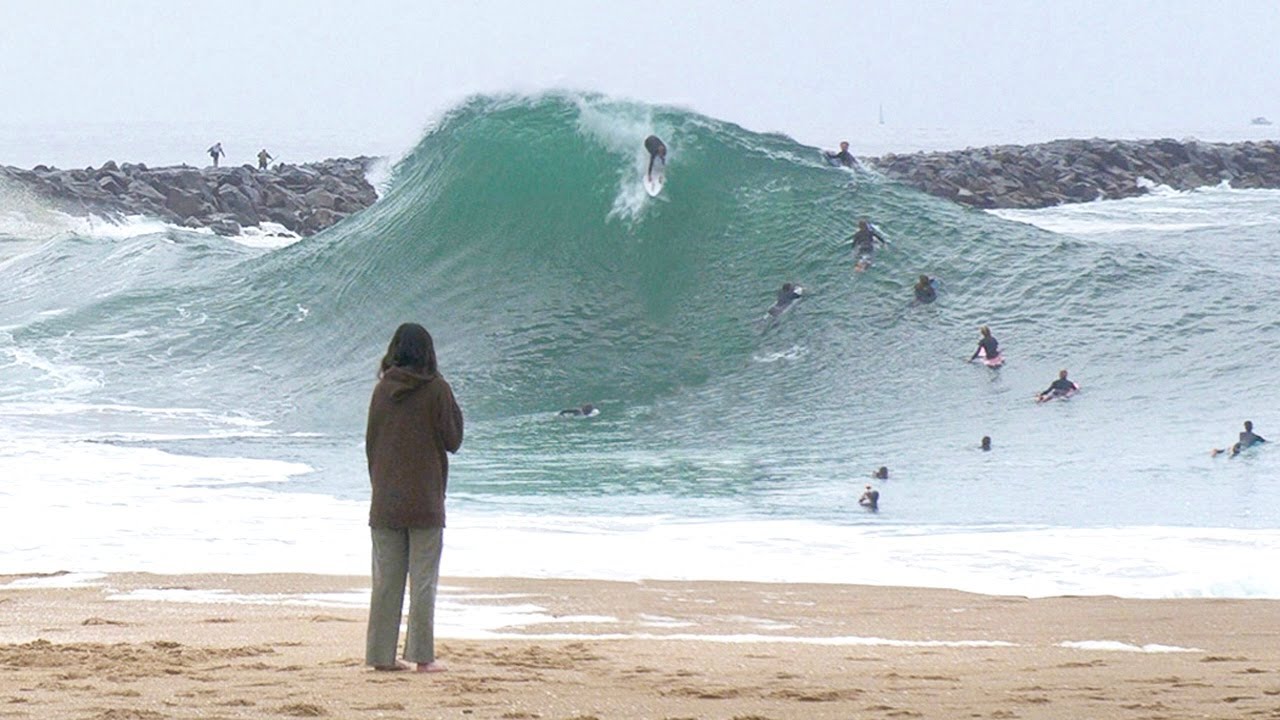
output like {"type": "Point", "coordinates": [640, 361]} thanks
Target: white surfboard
{"type": "Point", "coordinates": [654, 181]}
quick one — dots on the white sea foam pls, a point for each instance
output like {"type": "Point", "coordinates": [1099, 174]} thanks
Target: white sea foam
{"type": "Point", "coordinates": [1117, 646]}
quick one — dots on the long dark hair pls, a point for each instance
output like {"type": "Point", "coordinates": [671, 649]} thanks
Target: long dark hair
{"type": "Point", "coordinates": [411, 347]}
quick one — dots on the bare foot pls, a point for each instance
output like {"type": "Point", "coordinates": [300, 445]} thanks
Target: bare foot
{"type": "Point", "coordinates": [431, 667]}
{"type": "Point", "coordinates": [397, 667]}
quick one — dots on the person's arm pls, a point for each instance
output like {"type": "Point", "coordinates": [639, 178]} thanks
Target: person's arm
{"type": "Point", "coordinates": [975, 353]}
{"type": "Point", "coordinates": [450, 421]}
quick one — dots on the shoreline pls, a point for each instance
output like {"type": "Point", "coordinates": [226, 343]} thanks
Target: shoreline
{"type": "Point", "coordinates": [579, 648]}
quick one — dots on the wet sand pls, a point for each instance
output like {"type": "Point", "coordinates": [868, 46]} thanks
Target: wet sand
{"type": "Point", "coordinates": [150, 647]}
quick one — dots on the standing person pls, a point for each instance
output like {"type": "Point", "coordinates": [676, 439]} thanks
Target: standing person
{"type": "Point", "coordinates": [657, 150]}
{"type": "Point", "coordinates": [216, 152]}
{"type": "Point", "coordinates": [414, 421]}
{"type": "Point", "coordinates": [264, 157]}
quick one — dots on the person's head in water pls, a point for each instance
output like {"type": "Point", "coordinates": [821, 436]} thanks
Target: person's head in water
{"type": "Point", "coordinates": [844, 146]}
{"type": "Point", "coordinates": [923, 281]}
{"type": "Point", "coordinates": [411, 348]}
{"type": "Point", "coordinates": [588, 409]}
{"type": "Point", "coordinates": [985, 331]}
{"type": "Point", "coordinates": [1248, 426]}
{"type": "Point", "coordinates": [881, 474]}
{"type": "Point", "coordinates": [862, 225]}
{"type": "Point", "coordinates": [1062, 374]}
{"type": "Point", "coordinates": [986, 442]}
{"type": "Point", "coordinates": [788, 287]}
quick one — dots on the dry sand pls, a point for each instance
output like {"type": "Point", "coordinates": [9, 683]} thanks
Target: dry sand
{"type": "Point", "coordinates": [634, 650]}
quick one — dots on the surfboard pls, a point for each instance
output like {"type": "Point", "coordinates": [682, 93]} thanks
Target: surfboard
{"type": "Point", "coordinates": [994, 362]}
{"type": "Point", "coordinates": [654, 181]}
{"type": "Point", "coordinates": [1058, 396]}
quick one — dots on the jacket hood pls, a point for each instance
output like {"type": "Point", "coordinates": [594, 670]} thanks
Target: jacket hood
{"type": "Point", "coordinates": [404, 382]}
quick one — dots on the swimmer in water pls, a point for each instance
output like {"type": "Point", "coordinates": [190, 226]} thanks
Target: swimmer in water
{"type": "Point", "coordinates": [881, 474]}
{"type": "Point", "coordinates": [1247, 439]}
{"type": "Point", "coordinates": [925, 291]}
{"type": "Point", "coordinates": [584, 411]}
{"type": "Point", "coordinates": [844, 157]}
{"type": "Point", "coordinates": [1061, 387]}
{"type": "Point", "coordinates": [870, 499]}
{"type": "Point", "coordinates": [986, 443]}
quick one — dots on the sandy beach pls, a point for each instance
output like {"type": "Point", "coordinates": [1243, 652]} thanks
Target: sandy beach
{"type": "Point", "coordinates": [237, 646]}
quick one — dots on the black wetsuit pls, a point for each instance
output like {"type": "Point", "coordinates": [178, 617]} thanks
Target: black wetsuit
{"type": "Point", "coordinates": [1061, 386]}
{"type": "Point", "coordinates": [870, 500]}
{"type": "Point", "coordinates": [785, 298]}
{"type": "Point", "coordinates": [988, 346]}
{"type": "Point", "coordinates": [1249, 438]}
{"type": "Point", "coordinates": [926, 293]}
{"type": "Point", "coordinates": [844, 157]}
{"type": "Point", "coordinates": [655, 146]}
{"type": "Point", "coordinates": [864, 241]}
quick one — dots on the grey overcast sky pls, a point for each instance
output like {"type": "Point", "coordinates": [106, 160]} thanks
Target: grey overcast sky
{"type": "Point", "coordinates": [381, 69]}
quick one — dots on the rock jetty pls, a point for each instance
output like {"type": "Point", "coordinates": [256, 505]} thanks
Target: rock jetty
{"type": "Point", "coordinates": [304, 198]}
{"type": "Point", "coordinates": [1070, 171]}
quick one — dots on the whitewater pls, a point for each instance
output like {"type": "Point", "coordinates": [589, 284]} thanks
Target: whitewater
{"type": "Point", "coordinates": [173, 401]}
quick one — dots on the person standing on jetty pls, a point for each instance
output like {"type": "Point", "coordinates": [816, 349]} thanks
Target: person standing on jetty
{"type": "Point", "coordinates": [216, 152]}
{"type": "Point", "coordinates": [264, 157]}
{"type": "Point", "coordinates": [414, 421]}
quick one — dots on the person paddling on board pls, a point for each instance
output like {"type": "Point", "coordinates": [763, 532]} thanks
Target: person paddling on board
{"type": "Point", "coordinates": [844, 157]}
{"type": "Point", "coordinates": [585, 411]}
{"type": "Point", "coordinates": [925, 291]}
{"type": "Point", "coordinates": [1061, 387]}
{"type": "Point", "coordinates": [864, 241]}
{"type": "Point", "coordinates": [1248, 439]}
{"type": "Point", "coordinates": [988, 346]}
{"type": "Point", "coordinates": [657, 150]}
{"type": "Point", "coordinates": [789, 293]}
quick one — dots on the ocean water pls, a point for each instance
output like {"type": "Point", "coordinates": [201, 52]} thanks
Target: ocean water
{"type": "Point", "coordinates": [173, 401]}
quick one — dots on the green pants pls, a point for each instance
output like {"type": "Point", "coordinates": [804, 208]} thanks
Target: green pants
{"type": "Point", "coordinates": [399, 553]}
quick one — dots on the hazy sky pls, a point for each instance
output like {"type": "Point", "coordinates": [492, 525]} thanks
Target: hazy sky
{"type": "Point", "coordinates": [376, 71]}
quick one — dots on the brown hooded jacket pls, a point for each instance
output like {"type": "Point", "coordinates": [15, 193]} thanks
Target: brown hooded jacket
{"type": "Point", "coordinates": [414, 421]}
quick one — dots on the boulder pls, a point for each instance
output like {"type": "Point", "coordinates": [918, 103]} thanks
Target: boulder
{"type": "Point", "coordinates": [186, 203]}
{"type": "Point", "coordinates": [232, 200]}
{"type": "Point", "coordinates": [224, 225]}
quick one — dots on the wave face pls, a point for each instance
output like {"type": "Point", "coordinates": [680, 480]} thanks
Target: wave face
{"type": "Point", "coordinates": [518, 233]}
